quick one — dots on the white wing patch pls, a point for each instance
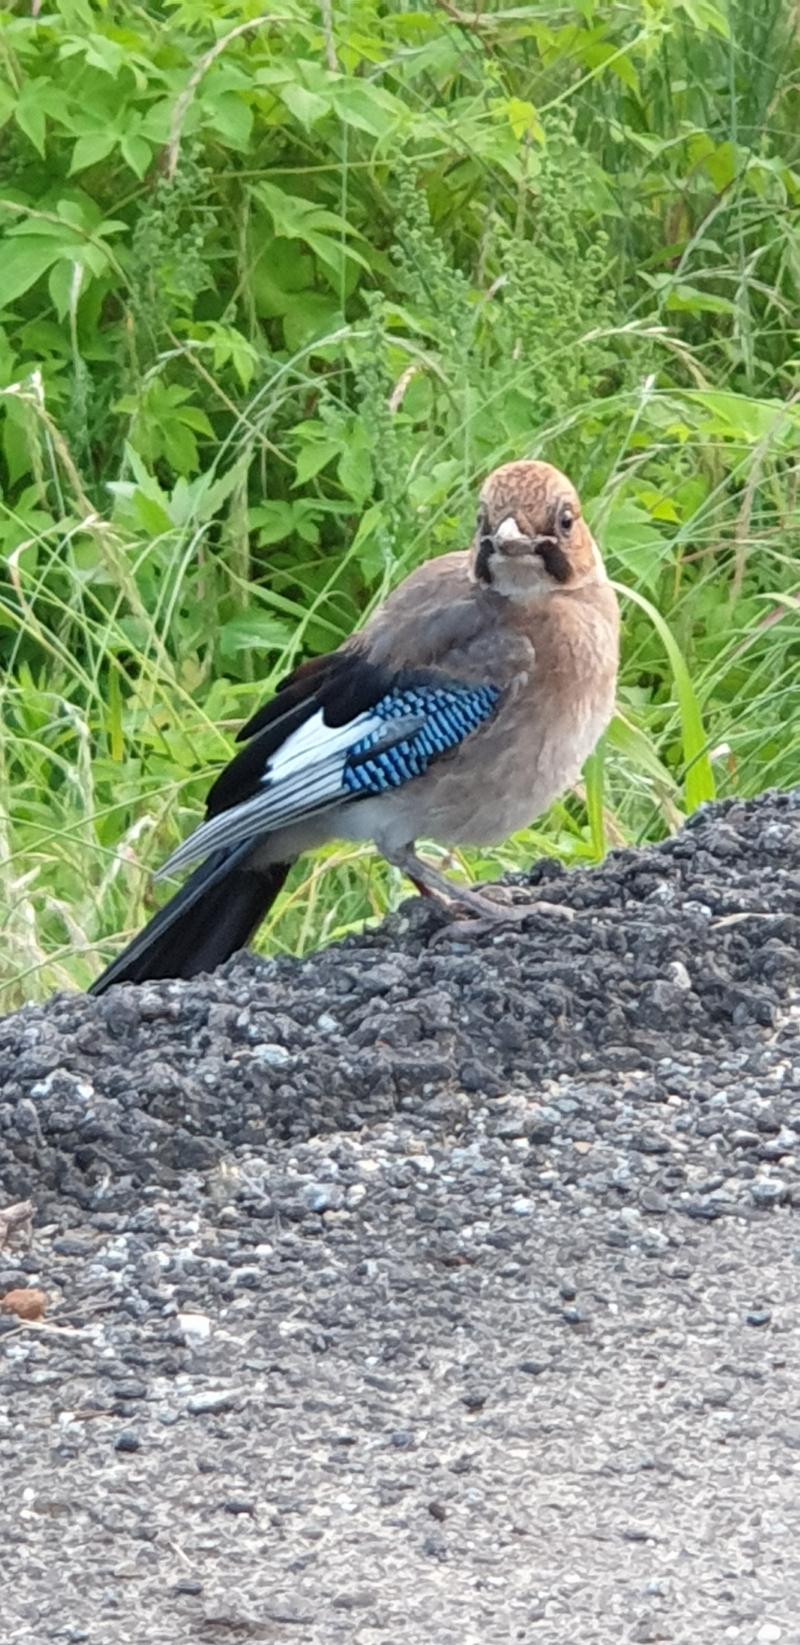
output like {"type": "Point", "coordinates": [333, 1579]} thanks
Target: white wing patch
{"type": "Point", "coordinates": [304, 775]}
{"type": "Point", "coordinates": [314, 740]}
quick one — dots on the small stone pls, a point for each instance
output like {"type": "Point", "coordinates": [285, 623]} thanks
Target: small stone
{"type": "Point", "coordinates": [542, 1124]}
{"type": "Point", "coordinates": [188, 1585]}
{"type": "Point", "coordinates": [25, 1303]}
{"type": "Point", "coordinates": [196, 1327]}
{"type": "Point", "coordinates": [131, 1388]}
{"type": "Point", "coordinates": [323, 1196]}
{"type": "Point", "coordinates": [479, 1077]}
{"type": "Point", "coordinates": [771, 1192]}
{"type": "Point", "coordinates": [75, 1245]}
{"type": "Point", "coordinates": [127, 1441]}
{"type": "Point", "coordinates": [208, 1404]}
{"type": "Point", "coordinates": [679, 976]}
{"type": "Point", "coordinates": [758, 1316]}
{"type": "Point", "coordinates": [273, 1055]}
{"type": "Point", "coordinates": [435, 1548]}
{"type": "Point", "coordinates": [654, 1202]}
{"type": "Point", "coordinates": [239, 1505]}
{"type": "Point", "coordinates": [769, 1633]}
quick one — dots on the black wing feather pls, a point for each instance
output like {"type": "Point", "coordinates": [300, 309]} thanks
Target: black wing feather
{"type": "Point", "coordinates": [300, 686]}
{"type": "Point", "coordinates": [343, 685]}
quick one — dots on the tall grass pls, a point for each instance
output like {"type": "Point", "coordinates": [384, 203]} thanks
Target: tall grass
{"type": "Point", "coordinates": [253, 366]}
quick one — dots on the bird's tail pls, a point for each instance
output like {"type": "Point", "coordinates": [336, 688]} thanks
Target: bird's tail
{"type": "Point", "coordinates": [212, 915]}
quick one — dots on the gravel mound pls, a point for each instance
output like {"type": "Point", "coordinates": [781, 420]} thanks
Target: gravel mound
{"type": "Point", "coordinates": [426, 1290]}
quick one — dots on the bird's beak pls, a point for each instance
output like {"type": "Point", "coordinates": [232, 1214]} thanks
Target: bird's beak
{"type": "Point", "coordinates": [495, 542]}
{"type": "Point", "coordinates": [508, 532]}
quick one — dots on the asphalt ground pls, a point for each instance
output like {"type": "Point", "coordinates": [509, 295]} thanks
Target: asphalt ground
{"type": "Point", "coordinates": [424, 1291]}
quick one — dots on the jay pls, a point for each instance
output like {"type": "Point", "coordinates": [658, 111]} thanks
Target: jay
{"type": "Point", "coordinates": [465, 705]}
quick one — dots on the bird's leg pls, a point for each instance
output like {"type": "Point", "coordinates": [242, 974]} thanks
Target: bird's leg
{"type": "Point", "coordinates": [490, 914]}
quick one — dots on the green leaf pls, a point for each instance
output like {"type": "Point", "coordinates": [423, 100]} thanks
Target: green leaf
{"type": "Point", "coordinates": [523, 120]}
{"type": "Point", "coordinates": [368, 107]}
{"type": "Point", "coordinates": [706, 16]}
{"type": "Point", "coordinates": [722, 165]}
{"type": "Point", "coordinates": [60, 285]}
{"type": "Point", "coordinates": [593, 775]}
{"type": "Point", "coordinates": [210, 495]}
{"type": "Point", "coordinates": [602, 54]}
{"type": "Point", "coordinates": [24, 261]}
{"type": "Point", "coordinates": [635, 745]}
{"type": "Point", "coordinates": [231, 117]}
{"type": "Point", "coordinates": [194, 418]}
{"type": "Point", "coordinates": [306, 106]}
{"type": "Point", "coordinates": [629, 536]}
{"type": "Point", "coordinates": [8, 102]}
{"type": "Point", "coordinates": [368, 545]}
{"type": "Point", "coordinates": [355, 468]}
{"type": "Point", "coordinates": [699, 785]}
{"type": "Point", "coordinates": [297, 219]}
{"type": "Point", "coordinates": [253, 631]}
{"type": "Point", "coordinates": [741, 416]}
{"type": "Point", "coordinates": [180, 447]}
{"type": "Point", "coordinates": [77, 14]}
{"type": "Point", "coordinates": [29, 115]}
{"type": "Point", "coordinates": [275, 521]}
{"type": "Point", "coordinates": [311, 314]}
{"type": "Point", "coordinates": [136, 153]}
{"type": "Point", "coordinates": [152, 517]}
{"type": "Point", "coordinates": [105, 54]}
{"type": "Point", "coordinates": [691, 300]}
{"type": "Point", "coordinates": [682, 298]}
{"type": "Point", "coordinates": [314, 457]}
{"type": "Point", "coordinates": [89, 150]}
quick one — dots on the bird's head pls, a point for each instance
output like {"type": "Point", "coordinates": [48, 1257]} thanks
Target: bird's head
{"type": "Point", "coordinates": [530, 537]}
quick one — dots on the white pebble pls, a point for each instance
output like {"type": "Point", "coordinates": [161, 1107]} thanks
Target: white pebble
{"type": "Point", "coordinates": [215, 1400]}
{"type": "Point", "coordinates": [273, 1055]}
{"type": "Point", "coordinates": [196, 1326]}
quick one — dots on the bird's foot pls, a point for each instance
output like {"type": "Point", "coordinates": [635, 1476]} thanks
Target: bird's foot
{"type": "Point", "coordinates": [489, 916]}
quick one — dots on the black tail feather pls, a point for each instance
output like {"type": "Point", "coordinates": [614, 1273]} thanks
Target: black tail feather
{"type": "Point", "coordinates": [213, 914]}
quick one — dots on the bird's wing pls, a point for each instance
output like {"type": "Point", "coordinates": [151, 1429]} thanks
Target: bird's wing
{"type": "Point", "coordinates": [339, 730]}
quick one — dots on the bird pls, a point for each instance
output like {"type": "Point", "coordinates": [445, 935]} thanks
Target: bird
{"type": "Point", "coordinates": [462, 708]}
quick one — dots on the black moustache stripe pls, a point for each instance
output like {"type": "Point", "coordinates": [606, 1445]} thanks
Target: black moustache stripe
{"type": "Point", "coordinates": [554, 560]}
{"type": "Point", "coordinates": [482, 558]}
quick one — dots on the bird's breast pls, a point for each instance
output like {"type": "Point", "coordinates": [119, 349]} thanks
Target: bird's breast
{"type": "Point", "coordinates": [557, 706]}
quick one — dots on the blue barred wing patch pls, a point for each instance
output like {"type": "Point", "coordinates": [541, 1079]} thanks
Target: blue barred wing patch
{"type": "Point", "coordinates": [446, 716]}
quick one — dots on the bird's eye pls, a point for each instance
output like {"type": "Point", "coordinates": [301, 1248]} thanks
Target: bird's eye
{"type": "Point", "coordinates": [566, 519]}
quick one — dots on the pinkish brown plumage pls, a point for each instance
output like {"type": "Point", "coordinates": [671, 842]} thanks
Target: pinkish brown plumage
{"type": "Point", "coordinates": [464, 706]}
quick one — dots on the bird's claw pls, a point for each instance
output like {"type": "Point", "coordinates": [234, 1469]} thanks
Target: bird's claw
{"type": "Point", "coordinates": [491, 916]}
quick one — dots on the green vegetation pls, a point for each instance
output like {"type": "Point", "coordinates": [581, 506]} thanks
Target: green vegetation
{"type": "Point", "coordinates": [277, 290]}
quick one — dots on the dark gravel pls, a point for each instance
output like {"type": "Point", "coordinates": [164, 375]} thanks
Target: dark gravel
{"type": "Point", "coordinates": [422, 1290]}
